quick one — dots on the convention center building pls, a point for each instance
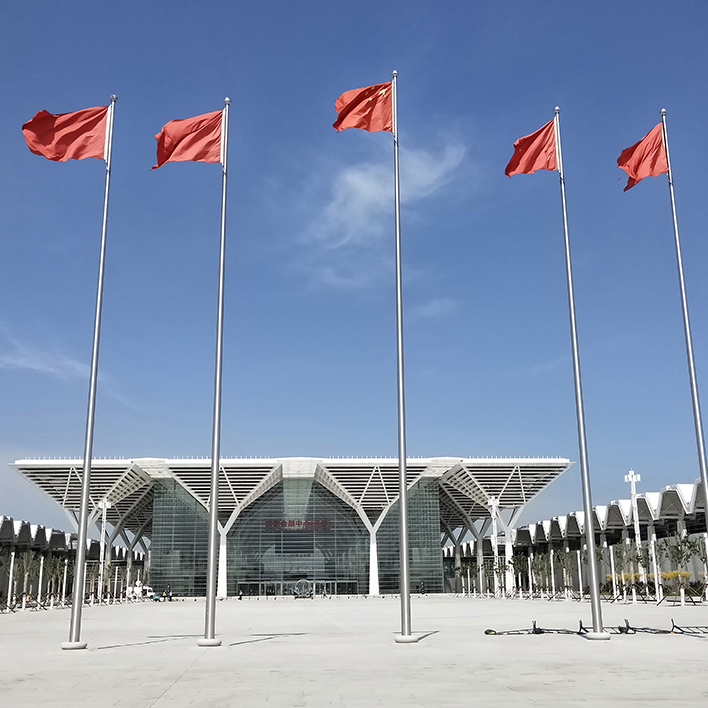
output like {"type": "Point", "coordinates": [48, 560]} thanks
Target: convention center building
{"type": "Point", "coordinates": [333, 522]}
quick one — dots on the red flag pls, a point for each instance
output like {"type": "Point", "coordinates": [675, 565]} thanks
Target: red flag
{"type": "Point", "coordinates": [68, 136]}
{"type": "Point", "coordinates": [534, 152]}
{"type": "Point", "coordinates": [369, 108]}
{"type": "Point", "coordinates": [197, 139]}
{"type": "Point", "coordinates": [647, 158]}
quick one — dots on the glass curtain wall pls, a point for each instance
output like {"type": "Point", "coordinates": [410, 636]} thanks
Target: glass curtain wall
{"type": "Point", "coordinates": [426, 567]}
{"type": "Point", "coordinates": [180, 538]}
{"type": "Point", "coordinates": [298, 531]}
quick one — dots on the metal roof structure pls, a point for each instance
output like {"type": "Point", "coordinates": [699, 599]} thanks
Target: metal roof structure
{"type": "Point", "coordinates": [468, 486]}
{"type": "Point", "coordinates": [660, 510]}
{"type": "Point", "coordinates": [679, 509]}
{"type": "Point", "coordinates": [22, 535]}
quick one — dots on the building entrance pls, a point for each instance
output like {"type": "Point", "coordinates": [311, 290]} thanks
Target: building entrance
{"type": "Point", "coordinates": [298, 530]}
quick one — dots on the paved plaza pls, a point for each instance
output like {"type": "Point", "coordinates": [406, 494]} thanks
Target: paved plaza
{"type": "Point", "coordinates": [341, 652]}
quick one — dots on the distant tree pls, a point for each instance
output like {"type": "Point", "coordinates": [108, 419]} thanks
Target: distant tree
{"type": "Point", "coordinates": [92, 571]}
{"type": "Point", "coordinates": [520, 565]}
{"type": "Point", "coordinates": [54, 568]}
{"type": "Point", "coordinates": [29, 563]}
{"type": "Point", "coordinates": [5, 563]}
{"type": "Point", "coordinates": [624, 555]}
{"type": "Point", "coordinates": [540, 569]}
{"type": "Point", "coordinates": [488, 568]}
{"type": "Point", "coordinates": [679, 550]}
{"type": "Point", "coordinates": [566, 560]}
{"type": "Point", "coordinates": [500, 572]}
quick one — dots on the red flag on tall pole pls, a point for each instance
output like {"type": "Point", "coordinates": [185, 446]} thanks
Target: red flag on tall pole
{"type": "Point", "coordinates": [369, 108]}
{"type": "Point", "coordinates": [205, 138]}
{"type": "Point", "coordinates": [75, 136]}
{"type": "Point", "coordinates": [534, 152]}
{"type": "Point", "coordinates": [68, 136]}
{"type": "Point", "coordinates": [542, 151]}
{"type": "Point", "coordinates": [647, 158]}
{"type": "Point", "coordinates": [197, 139]}
{"type": "Point", "coordinates": [375, 108]}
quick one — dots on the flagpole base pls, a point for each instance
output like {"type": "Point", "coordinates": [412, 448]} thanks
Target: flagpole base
{"type": "Point", "coordinates": [597, 636]}
{"type": "Point", "coordinates": [406, 638]}
{"type": "Point", "coordinates": [209, 642]}
{"type": "Point", "coordinates": [74, 645]}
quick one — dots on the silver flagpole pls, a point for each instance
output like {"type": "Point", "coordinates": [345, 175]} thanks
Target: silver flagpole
{"type": "Point", "coordinates": [80, 569]}
{"type": "Point", "coordinates": [209, 639]}
{"type": "Point", "coordinates": [405, 636]}
{"type": "Point", "coordinates": [598, 631]}
{"type": "Point", "coordinates": [700, 441]}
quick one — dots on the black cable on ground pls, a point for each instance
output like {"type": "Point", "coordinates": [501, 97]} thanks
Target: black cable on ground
{"type": "Point", "coordinates": [627, 629]}
{"type": "Point", "coordinates": [535, 629]}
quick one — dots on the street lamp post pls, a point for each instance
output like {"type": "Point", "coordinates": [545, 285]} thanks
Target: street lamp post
{"type": "Point", "coordinates": [633, 478]}
{"type": "Point", "coordinates": [104, 505]}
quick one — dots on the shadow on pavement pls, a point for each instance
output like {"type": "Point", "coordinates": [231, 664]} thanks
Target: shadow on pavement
{"type": "Point", "coordinates": [151, 640]}
{"type": "Point", "coordinates": [267, 637]}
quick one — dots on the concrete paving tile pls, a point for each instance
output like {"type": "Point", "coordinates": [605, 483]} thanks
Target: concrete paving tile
{"type": "Point", "coordinates": [342, 652]}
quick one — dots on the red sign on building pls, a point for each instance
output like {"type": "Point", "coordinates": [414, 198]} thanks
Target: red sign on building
{"type": "Point", "coordinates": [298, 525]}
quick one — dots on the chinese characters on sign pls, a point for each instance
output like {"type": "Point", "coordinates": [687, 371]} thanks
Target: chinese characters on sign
{"type": "Point", "coordinates": [293, 525]}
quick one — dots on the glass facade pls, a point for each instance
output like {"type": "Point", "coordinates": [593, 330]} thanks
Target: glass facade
{"type": "Point", "coordinates": [298, 531]}
{"type": "Point", "coordinates": [426, 567]}
{"type": "Point", "coordinates": [180, 538]}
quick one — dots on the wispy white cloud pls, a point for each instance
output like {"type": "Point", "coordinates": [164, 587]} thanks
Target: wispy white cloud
{"type": "Point", "coordinates": [361, 196]}
{"type": "Point", "coordinates": [434, 309]}
{"type": "Point", "coordinates": [547, 367]}
{"type": "Point", "coordinates": [346, 245]}
{"type": "Point", "coordinates": [352, 277]}
{"type": "Point", "coordinates": [539, 369]}
{"type": "Point", "coordinates": [360, 205]}
{"type": "Point", "coordinates": [21, 356]}
{"type": "Point", "coordinates": [15, 355]}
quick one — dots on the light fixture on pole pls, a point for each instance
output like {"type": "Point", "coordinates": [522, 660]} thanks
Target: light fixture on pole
{"type": "Point", "coordinates": [103, 505]}
{"type": "Point", "coordinates": [632, 478]}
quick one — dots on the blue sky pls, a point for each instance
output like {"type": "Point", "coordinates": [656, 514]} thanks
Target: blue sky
{"type": "Point", "coordinates": [310, 331]}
